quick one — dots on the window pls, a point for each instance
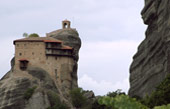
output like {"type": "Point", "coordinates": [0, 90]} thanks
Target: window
{"type": "Point", "coordinates": [56, 58]}
{"type": "Point", "coordinates": [20, 54]}
{"type": "Point", "coordinates": [56, 73]}
{"type": "Point", "coordinates": [32, 53]}
{"type": "Point", "coordinates": [23, 64]}
{"type": "Point", "coordinates": [65, 25]}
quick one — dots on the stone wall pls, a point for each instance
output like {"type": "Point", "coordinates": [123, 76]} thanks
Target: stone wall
{"type": "Point", "coordinates": [34, 52]}
{"type": "Point", "coordinates": [60, 68]}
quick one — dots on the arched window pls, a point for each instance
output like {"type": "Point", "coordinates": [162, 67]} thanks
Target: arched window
{"type": "Point", "coordinates": [66, 24]}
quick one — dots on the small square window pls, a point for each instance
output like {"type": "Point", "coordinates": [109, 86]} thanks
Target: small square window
{"type": "Point", "coordinates": [23, 64]}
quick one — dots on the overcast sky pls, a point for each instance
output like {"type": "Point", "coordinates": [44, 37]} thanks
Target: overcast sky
{"type": "Point", "coordinates": [110, 31]}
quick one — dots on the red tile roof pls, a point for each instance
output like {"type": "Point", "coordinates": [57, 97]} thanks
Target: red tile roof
{"type": "Point", "coordinates": [38, 39]}
{"type": "Point", "coordinates": [66, 47]}
{"type": "Point", "coordinates": [43, 39]}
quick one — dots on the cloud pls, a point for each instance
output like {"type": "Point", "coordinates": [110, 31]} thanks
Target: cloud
{"type": "Point", "coordinates": [109, 60]}
{"type": "Point", "coordinates": [95, 20]}
{"type": "Point", "coordinates": [102, 87]}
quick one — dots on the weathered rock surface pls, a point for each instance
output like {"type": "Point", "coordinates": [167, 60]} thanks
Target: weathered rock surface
{"type": "Point", "coordinates": [14, 86]}
{"type": "Point", "coordinates": [89, 94]}
{"type": "Point", "coordinates": [151, 62]}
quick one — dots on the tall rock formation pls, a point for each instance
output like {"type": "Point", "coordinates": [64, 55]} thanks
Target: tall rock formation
{"type": "Point", "coordinates": [151, 63]}
{"type": "Point", "coordinates": [35, 87]}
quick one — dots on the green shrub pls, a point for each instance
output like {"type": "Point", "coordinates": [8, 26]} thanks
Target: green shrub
{"type": "Point", "coordinates": [28, 93]}
{"type": "Point", "coordinates": [115, 93]}
{"type": "Point", "coordinates": [55, 101]}
{"type": "Point", "coordinates": [25, 34]}
{"type": "Point", "coordinates": [163, 107]}
{"type": "Point", "coordinates": [121, 102]}
{"type": "Point", "coordinates": [33, 35]}
{"type": "Point", "coordinates": [138, 98]}
{"type": "Point", "coordinates": [96, 105]}
{"type": "Point", "coordinates": [161, 95]}
{"type": "Point", "coordinates": [77, 98]}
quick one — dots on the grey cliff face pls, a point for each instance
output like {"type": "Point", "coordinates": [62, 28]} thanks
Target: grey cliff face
{"type": "Point", "coordinates": [151, 62]}
{"type": "Point", "coordinates": [14, 86]}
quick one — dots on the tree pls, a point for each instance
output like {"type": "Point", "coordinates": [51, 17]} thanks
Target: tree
{"type": "Point", "coordinates": [117, 92]}
{"type": "Point", "coordinates": [25, 35]}
{"type": "Point", "coordinates": [34, 35]}
{"type": "Point", "coordinates": [121, 102]}
{"type": "Point", "coordinates": [161, 95]}
{"type": "Point", "coordinates": [77, 98]}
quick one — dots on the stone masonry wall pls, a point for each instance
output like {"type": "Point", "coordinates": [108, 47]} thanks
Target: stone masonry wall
{"type": "Point", "coordinates": [59, 67]}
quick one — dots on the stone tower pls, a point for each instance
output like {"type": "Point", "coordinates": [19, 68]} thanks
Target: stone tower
{"type": "Point", "coordinates": [66, 24]}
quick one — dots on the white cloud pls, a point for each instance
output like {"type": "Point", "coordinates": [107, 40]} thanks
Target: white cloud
{"type": "Point", "coordinates": [102, 87]}
{"type": "Point", "coordinates": [104, 66]}
{"type": "Point", "coordinates": [109, 60]}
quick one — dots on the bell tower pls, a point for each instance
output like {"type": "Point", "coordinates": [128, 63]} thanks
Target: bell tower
{"type": "Point", "coordinates": [66, 24]}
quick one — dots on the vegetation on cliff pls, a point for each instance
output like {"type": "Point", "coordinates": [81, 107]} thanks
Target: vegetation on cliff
{"type": "Point", "coordinates": [125, 102]}
{"type": "Point", "coordinates": [34, 35]}
{"type": "Point", "coordinates": [55, 102]}
{"type": "Point", "coordinates": [77, 98]}
{"type": "Point", "coordinates": [30, 35]}
{"type": "Point", "coordinates": [159, 99]}
{"type": "Point", "coordinates": [29, 92]}
{"type": "Point", "coordinates": [161, 95]}
{"type": "Point", "coordinates": [121, 102]}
